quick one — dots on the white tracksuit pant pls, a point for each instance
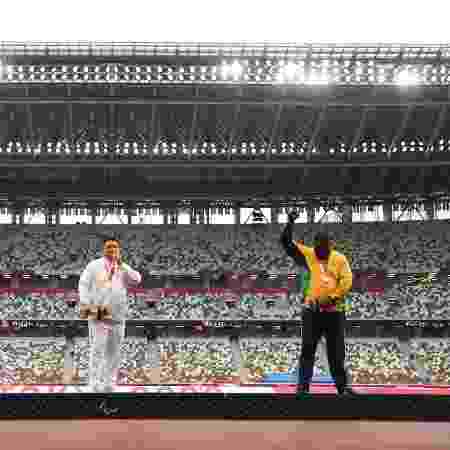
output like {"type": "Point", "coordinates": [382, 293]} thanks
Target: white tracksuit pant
{"type": "Point", "coordinates": [105, 339]}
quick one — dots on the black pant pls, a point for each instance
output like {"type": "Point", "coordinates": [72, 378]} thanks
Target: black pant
{"type": "Point", "coordinates": [315, 325]}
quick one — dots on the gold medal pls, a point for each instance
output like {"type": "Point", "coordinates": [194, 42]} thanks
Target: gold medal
{"type": "Point", "coordinates": [326, 283]}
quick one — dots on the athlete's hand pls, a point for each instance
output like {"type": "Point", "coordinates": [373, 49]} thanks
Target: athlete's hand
{"type": "Point", "coordinates": [311, 300]}
{"type": "Point", "coordinates": [84, 311]}
{"type": "Point", "coordinates": [329, 301]}
{"type": "Point", "coordinates": [293, 216]}
{"type": "Point", "coordinates": [89, 312]}
{"type": "Point", "coordinates": [120, 263]}
{"type": "Point", "coordinates": [105, 312]}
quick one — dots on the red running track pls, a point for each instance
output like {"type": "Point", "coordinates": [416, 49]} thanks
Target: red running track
{"type": "Point", "coordinates": [118, 434]}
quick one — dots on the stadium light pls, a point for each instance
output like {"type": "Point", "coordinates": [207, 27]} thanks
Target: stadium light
{"type": "Point", "coordinates": [406, 77]}
{"type": "Point", "coordinates": [323, 71]}
{"type": "Point", "coordinates": [234, 69]}
{"type": "Point", "coordinates": [290, 69]}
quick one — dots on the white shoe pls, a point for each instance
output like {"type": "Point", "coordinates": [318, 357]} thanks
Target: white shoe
{"type": "Point", "coordinates": [101, 388]}
{"type": "Point", "coordinates": [95, 388]}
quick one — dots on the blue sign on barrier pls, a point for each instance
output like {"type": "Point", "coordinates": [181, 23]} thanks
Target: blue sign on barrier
{"type": "Point", "coordinates": [291, 377]}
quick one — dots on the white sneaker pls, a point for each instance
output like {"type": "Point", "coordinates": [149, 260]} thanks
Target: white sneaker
{"type": "Point", "coordinates": [108, 389]}
{"type": "Point", "coordinates": [99, 388]}
{"type": "Point", "coordinates": [95, 388]}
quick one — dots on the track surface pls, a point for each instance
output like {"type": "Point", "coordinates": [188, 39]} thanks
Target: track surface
{"type": "Point", "coordinates": [222, 435]}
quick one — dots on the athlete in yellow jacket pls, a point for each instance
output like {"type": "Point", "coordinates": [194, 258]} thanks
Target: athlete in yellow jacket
{"type": "Point", "coordinates": [330, 280]}
{"type": "Point", "coordinates": [330, 277]}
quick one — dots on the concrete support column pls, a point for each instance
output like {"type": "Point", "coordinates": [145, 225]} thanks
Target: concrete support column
{"type": "Point", "coordinates": [347, 213]}
{"type": "Point", "coordinates": [387, 211]}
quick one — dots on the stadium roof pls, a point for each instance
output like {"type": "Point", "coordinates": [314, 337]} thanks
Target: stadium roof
{"type": "Point", "coordinates": [223, 118]}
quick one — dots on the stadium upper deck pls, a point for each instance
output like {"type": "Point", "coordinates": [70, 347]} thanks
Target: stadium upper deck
{"type": "Point", "coordinates": [223, 118]}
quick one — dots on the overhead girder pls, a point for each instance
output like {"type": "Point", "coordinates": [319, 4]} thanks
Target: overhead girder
{"type": "Point", "coordinates": [437, 127]}
{"type": "Point", "coordinates": [225, 164]}
{"type": "Point", "coordinates": [400, 129]}
{"type": "Point", "coordinates": [316, 132]}
{"type": "Point", "coordinates": [275, 128]}
{"type": "Point", "coordinates": [281, 185]}
{"type": "Point", "coordinates": [236, 112]}
{"type": "Point", "coordinates": [358, 132]}
{"type": "Point", "coordinates": [395, 102]}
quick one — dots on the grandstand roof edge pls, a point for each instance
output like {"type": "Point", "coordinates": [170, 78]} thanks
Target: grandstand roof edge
{"type": "Point", "coordinates": [227, 43]}
{"type": "Point", "coordinates": [190, 46]}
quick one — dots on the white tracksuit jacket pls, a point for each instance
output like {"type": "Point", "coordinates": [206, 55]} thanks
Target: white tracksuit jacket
{"type": "Point", "coordinates": [105, 337]}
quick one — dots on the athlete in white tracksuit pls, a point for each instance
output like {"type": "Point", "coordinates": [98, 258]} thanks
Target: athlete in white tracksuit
{"type": "Point", "coordinates": [104, 282]}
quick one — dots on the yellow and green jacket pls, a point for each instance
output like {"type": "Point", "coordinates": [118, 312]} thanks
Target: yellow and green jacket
{"type": "Point", "coordinates": [337, 267]}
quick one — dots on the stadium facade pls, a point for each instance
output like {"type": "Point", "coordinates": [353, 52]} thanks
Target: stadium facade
{"type": "Point", "coordinates": [206, 130]}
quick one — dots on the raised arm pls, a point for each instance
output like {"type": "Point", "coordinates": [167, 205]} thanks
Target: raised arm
{"type": "Point", "coordinates": [288, 243]}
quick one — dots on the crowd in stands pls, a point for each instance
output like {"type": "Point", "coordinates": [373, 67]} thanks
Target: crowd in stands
{"type": "Point", "coordinates": [402, 301]}
{"type": "Point", "coordinates": [26, 360]}
{"type": "Point", "coordinates": [210, 361]}
{"type": "Point", "coordinates": [401, 247]}
{"type": "Point", "coordinates": [32, 361]}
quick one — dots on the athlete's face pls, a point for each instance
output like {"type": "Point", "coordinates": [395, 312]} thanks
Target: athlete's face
{"type": "Point", "coordinates": [322, 249]}
{"type": "Point", "coordinates": [111, 249]}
